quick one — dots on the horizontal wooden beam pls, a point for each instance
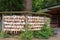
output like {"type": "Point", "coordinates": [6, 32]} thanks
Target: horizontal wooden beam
{"type": "Point", "coordinates": [25, 12]}
{"type": "Point", "coordinates": [15, 12]}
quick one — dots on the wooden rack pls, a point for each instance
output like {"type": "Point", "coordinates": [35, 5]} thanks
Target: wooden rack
{"type": "Point", "coordinates": [17, 23]}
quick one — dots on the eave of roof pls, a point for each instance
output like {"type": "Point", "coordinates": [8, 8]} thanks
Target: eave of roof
{"type": "Point", "coordinates": [48, 9]}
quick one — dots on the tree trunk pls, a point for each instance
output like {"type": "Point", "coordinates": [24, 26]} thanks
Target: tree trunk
{"type": "Point", "coordinates": [28, 5]}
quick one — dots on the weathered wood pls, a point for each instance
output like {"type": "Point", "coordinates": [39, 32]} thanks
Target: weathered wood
{"type": "Point", "coordinates": [25, 12]}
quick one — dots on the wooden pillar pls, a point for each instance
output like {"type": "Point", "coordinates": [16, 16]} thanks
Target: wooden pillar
{"type": "Point", "coordinates": [2, 23]}
{"type": "Point", "coordinates": [57, 21]}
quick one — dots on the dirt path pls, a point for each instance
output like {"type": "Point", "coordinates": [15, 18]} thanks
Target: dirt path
{"type": "Point", "coordinates": [9, 39]}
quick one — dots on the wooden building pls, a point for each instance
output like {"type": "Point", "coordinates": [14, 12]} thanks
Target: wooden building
{"type": "Point", "coordinates": [54, 11]}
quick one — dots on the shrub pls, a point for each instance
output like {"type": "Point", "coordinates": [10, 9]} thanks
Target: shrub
{"type": "Point", "coordinates": [45, 32]}
{"type": "Point", "coordinates": [4, 35]}
{"type": "Point", "coordinates": [26, 35]}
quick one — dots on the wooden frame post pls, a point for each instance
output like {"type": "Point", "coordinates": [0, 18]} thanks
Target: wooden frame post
{"type": "Point", "coordinates": [2, 23]}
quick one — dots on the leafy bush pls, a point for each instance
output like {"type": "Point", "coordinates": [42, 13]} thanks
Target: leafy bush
{"type": "Point", "coordinates": [4, 35]}
{"type": "Point", "coordinates": [45, 32]}
{"type": "Point", "coordinates": [26, 35]}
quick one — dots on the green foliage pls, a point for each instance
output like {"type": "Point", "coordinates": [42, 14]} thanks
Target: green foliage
{"type": "Point", "coordinates": [4, 35]}
{"type": "Point", "coordinates": [40, 4]}
{"type": "Point", "coordinates": [36, 5]}
{"type": "Point", "coordinates": [26, 35]}
{"type": "Point", "coordinates": [26, 26]}
{"type": "Point", "coordinates": [45, 32]}
{"type": "Point", "coordinates": [11, 5]}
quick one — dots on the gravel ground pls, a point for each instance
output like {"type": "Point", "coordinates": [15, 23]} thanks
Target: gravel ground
{"type": "Point", "coordinates": [55, 37]}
